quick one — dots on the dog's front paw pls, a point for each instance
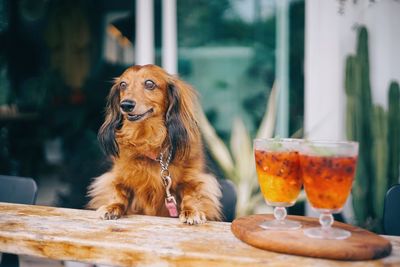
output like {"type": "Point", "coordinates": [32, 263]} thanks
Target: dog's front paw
{"type": "Point", "coordinates": [111, 212]}
{"type": "Point", "coordinates": [192, 217]}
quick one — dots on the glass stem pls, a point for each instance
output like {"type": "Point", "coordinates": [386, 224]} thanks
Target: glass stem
{"type": "Point", "coordinates": [280, 213]}
{"type": "Point", "coordinates": [326, 221]}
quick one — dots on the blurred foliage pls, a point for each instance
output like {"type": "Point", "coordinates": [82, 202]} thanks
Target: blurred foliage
{"type": "Point", "coordinates": [202, 22]}
{"type": "Point", "coordinates": [236, 161]}
{"type": "Point", "coordinates": [72, 115]}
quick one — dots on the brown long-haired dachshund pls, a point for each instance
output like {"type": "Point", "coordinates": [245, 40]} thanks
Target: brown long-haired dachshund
{"type": "Point", "coordinates": [152, 136]}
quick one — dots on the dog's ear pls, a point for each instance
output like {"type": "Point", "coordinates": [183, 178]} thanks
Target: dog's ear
{"type": "Point", "coordinates": [180, 119]}
{"type": "Point", "coordinates": [113, 121]}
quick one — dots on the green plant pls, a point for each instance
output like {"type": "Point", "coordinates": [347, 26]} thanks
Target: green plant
{"type": "Point", "coordinates": [377, 133]}
{"type": "Point", "coordinates": [379, 158]}
{"type": "Point", "coordinates": [394, 133]}
{"type": "Point", "coordinates": [237, 163]}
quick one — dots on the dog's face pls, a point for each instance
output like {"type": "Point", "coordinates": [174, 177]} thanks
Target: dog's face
{"type": "Point", "coordinates": [147, 94]}
{"type": "Point", "coordinates": [142, 93]}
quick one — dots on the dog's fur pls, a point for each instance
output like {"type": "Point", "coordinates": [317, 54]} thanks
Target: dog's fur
{"type": "Point", "coordinates": [134, 184]}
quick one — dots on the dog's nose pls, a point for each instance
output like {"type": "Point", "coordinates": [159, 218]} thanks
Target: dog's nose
{"type": "Point", "coordinates": [127, 105]}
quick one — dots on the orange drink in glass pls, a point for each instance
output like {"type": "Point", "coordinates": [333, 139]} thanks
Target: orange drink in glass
{"type": "Point", "coordinates": [328, 170]}
{"type": "Point", "coordinates": [279, 177]}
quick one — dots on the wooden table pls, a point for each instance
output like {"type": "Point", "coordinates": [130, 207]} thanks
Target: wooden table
{"type": "Point", "coordinates": [78, 235]}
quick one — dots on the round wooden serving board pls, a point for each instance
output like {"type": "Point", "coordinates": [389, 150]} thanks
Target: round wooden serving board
{"type": "Point", "coordinates": [361, 245]}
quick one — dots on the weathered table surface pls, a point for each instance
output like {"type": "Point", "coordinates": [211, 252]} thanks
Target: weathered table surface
{"type": "Point", "coordinates": [78, 235]}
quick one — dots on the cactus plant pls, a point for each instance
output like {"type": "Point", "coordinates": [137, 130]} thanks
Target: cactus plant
{"type": "Point", "coordinates": [394, 133]}
{"type": "Point", "coordinates": [364, 116]}
{"type": "Point", "coordinates": [351, 84]}
{"type": "Point", "coordinates": [379, 157]}
{"type": "Point", "coordinates": [354, 129]}
{"type": "Point", "coordinates": [378, 135]}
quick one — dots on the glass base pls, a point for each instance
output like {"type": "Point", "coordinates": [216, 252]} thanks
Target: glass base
{"type": "Point", "coordinates": [328, 233]}
{"type": "Point", "coordinates": [281, 225]}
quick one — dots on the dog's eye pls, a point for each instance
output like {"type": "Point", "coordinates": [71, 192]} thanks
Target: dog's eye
{"type": "Point", "coordinates": [149, 85]}
{"type": "Point", "coordinates": [122, 85]}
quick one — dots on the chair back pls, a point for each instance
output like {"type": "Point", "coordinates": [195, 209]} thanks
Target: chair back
{"type": "Point", "coordinates": [391, 212]}
{"type": "Point", "coordinates": [19, 190]}
{"type": "Point", "coordinates": [228, 200]}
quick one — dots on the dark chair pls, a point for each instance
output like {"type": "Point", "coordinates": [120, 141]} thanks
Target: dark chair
{"type": "Point", "coordinates": [391, 211]}
{"type": "Point", "coordinates": [19, 190]}
{"type": "Point", "coordinates": [228, 199]}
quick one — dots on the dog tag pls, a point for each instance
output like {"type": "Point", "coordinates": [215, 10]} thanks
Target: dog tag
{"type": "Point", "coordinates": [170, 204]}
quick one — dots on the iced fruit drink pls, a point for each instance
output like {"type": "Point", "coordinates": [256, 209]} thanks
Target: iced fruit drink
{"type": "Point", "coordinates": [279, 176]}
{"type": "Point", "coordinates": [327, 180]}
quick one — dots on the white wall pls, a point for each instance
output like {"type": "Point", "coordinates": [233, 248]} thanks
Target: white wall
{"type": "Point", "coordinates": [330, 37]}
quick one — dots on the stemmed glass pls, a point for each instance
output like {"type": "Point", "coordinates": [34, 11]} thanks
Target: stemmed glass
{"type": "Point", "coordinates": [328, 169]}
{"type": "Point", "coordinates": [279, 177]}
